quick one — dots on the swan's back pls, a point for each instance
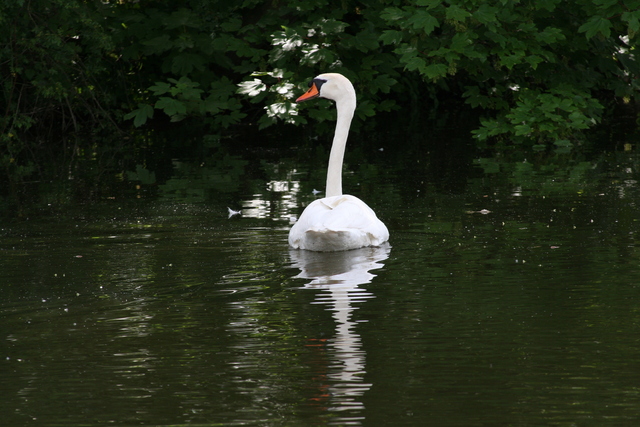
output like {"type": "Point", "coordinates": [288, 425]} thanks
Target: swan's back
{"type": "Point", "coordinates": [337, 223]}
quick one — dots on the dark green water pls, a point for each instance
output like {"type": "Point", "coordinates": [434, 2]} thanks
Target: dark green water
{"type": "Point", "coordinates": [506, 299]}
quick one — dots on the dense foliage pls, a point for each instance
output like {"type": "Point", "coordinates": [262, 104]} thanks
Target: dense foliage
{"type": "Point", "coordinates": [78, 77]}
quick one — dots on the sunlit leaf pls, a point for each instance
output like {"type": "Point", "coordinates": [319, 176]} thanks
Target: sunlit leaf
{"type": "Point", "coordinates": [251, 87]}
{"type": "Point", "coordinates": [287, 40]}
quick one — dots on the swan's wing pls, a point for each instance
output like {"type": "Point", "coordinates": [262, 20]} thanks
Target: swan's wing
{"type": "Point", "coordinates": [349, 212]}
{"type": "Point", "coordinates": [338, 223]}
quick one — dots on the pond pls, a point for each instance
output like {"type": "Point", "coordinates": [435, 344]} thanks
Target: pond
{"type": "Point", "coordinates": [506, 296]}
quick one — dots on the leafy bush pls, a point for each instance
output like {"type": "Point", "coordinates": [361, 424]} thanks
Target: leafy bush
{"type": "Point", "coordinates": [540, 73]}
{"type": "Point", "coordinates": [544, 68]}
{"type": "Point", "coordinates": [54, 78]}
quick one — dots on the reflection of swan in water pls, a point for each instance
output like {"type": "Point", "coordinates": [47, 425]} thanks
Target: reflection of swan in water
{"type": "Point", "coordinates": [340, 273]}
{"type": "Point", "coordinates": [339, 268]}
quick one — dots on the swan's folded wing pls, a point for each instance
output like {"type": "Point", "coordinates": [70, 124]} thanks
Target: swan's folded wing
{"type": "Point", "coordinates": [349, 212]}
{"type": "Point", "coordinates": [338, 223]}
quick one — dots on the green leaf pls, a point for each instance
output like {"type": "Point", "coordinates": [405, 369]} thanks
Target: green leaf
{"type": "Point", "coordinates": [596, 25]}
{"type": "Point", "coordinates": [234, 24]}
{"type": "Point", "coordinates": [485, 14]}
{"type": "Point", "coordinates": [633, 20]}
{"type": "Point", "coordinates": [392, 14]}
{"type": "Point", "coordinates": [429, 4]}
{"type": "Point", "coordinates": [332, 26]}
{"type": "Point", "coordinates": [383, 83]}
{"type": "Point", "coordinates": [191, 93]}
{"type": "Point", "coordinates": [171, 106]}
{"type": "Point", "coordinates": [366, 109]}
{"type": "Point", "coordinates": [423, 20]}
{"type": "Point", "coordinates": [182, 18]}
{"type": "Point", "coordinates": [605, 3]}
{"type": "Point", "coordinates": [435, 71]}
{"type": "Point", "coordinates": [366, 41]}
{"type": "Point", "coordinates": [183, 42]}
{"type": "Point", "coordinates": [158, 44]}
{"type": "Point", "coordinates": [387, 105]}
{"type": "Point", "coordinates": [406, 50]}
{"type": "Point", "coordinates": [391, 37]}
{"type": "Point", "coordinates": [534, 60]}
{"type": "Point", "coordinates": [160, 88]}
{"type": "Point", "coordinates": [550, 35]}
{"type": "Point", "coordinates": [496, 38]}
{"type": "Point", "coordinates": [523, 129]}
{"type": "Point", "coordinates": [563, 143]}
{"type": "Point", "coordinates": [415, 63]}
{"type": "Point", "coordinates": [222, 88]}
{"type": "Point", "coordinates": [473, 97]}
{"type": "Point", "coordinates": [213, 106]}
{"type": "Point", "coordinates": [140, 115]}
{"type": "Point", "coordinates": [460, 42]}
{"type": "Point", "coordinates": [510, 61]}
{"type": "Point", "coordinates": [185, 63]}
{"type": "Point", "coordinates": [456, 13]}
{"type": "Point", "coordinates": [549, 5]}
{"type": "Point", "coordinates": [229, 119]}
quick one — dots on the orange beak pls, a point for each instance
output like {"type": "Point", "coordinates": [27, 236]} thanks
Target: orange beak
{"type": "Point", "coordinates": [310, 94]}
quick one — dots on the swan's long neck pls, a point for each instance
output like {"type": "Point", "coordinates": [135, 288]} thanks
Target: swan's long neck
{"type": "Point", "coordinates": [346, 108]}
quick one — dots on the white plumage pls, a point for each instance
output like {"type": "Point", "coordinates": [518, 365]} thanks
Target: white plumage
{"type": "Point", "coordinates": [339, 221]}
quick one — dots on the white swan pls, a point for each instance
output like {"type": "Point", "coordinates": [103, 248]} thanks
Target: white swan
{"type": "Point", "coordinates": [339, 221]}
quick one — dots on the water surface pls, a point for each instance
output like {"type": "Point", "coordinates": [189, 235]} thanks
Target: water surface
{"type": "Point", "coordinates": [505, 302]}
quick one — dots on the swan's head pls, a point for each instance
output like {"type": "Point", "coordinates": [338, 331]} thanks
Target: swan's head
{"type": "Point", "coordinates": [332, 86]}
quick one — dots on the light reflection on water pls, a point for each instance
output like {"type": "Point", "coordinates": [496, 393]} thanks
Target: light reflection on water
{"type": "Point", "coordinates": [286, 194]}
